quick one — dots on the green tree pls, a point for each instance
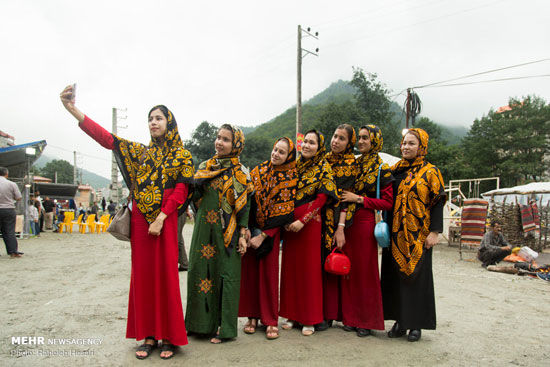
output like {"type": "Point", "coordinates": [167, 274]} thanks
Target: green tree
{"type": "Point", "coordinates": [201, 144]}
{"type": "Point", "coordinates": [257, 149]}
{"type": "Point", "coordinates": [511, 144]}
{"type": "Point", "coordinates": [63, 169]}
{"type": "Point", "coordinates": [372, 101]}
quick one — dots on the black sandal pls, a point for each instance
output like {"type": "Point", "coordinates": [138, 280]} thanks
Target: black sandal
{"type": "Point", "coordinates": [167, 347]}
{"type": "Point", "coordinates": [147, 348]}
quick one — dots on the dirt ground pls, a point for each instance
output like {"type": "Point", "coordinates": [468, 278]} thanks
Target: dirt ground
{"type": "Point", "coordinates": [75, 287]}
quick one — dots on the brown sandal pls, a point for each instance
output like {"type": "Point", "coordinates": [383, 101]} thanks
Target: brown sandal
{"type": "Point", "coordinates": [250, 326]}
{"type": "Point", "coordinates": [272, 332]}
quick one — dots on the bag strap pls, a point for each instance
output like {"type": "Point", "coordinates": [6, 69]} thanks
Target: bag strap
{"type": "Point", "coordinates": [378, 189]}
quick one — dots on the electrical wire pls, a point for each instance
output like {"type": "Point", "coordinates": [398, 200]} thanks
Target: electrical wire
{"type": "Point", "coordinates": [489, 81]}
{"type": "Point", "coordinates": [482, 73]}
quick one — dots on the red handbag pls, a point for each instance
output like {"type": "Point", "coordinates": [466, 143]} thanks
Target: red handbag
{"type": "Point", "coordinates": [337, 263]}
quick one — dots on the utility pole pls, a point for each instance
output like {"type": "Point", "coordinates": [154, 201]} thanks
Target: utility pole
{"type": "Point", "coordinates": [74, 169]}
{"type": "Point", "coordinates": [301, 54]}
{"type": "Point", "coordinates": [115, 187]}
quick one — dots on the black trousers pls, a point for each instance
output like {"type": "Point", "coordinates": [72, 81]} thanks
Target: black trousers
{"type": "Point", "coordinates": [492, 256]}
{"type": "Point", "coordinates": [182, 258]}
{"type": "Point", "coordinates": [7, 228]}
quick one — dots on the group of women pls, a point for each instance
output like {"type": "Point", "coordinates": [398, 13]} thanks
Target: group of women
{"type": "Point", "coordinates": [310, 206]}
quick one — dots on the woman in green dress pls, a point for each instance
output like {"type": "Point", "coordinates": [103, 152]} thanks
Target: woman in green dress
{"type": "Point", "coordinates": [221, 197]}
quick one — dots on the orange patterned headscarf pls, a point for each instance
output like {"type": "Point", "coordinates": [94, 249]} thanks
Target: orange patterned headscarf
{"type": "Point", "coordinates": [422, 188]}
{"type": "Point", "coordinates": [275, 190]}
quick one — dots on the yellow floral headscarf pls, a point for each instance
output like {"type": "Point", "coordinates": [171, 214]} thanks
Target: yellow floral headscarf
{"type": "Point", "coordinates": [152, 169]}
{"type": "Point", "coordinates": [421, 189]}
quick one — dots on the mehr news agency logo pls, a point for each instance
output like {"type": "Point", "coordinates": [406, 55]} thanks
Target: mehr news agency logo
{"type": "Point", "coordinates": [36, 341]}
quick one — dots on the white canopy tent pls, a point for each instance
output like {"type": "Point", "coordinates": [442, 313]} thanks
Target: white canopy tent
{"type": "Point", "coordinates": [523, 193]}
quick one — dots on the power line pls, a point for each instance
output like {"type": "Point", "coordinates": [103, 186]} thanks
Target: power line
{"type": "Point", "coordinates": [415, 24]}
{"type": "Point", "coordinates": [83, 154]}
{"type": "Point", "coordinates": [489, 81]}
{"type": "Point", "coordinates": [484, 72]}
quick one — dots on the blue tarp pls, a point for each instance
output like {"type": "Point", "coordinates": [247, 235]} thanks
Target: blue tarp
{"type": "Point", "coordinates": [15, 159]}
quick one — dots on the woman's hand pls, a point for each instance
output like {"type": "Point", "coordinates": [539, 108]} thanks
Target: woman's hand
{"type": "Point", "coordinates": [256, 241]}
{"type": "Point", "coordinates": [340, 237]}
{"type": "Point", "coordinates": [350, 197]}
{"type": "Point", "coordinates": [67, 99]}
{"type": "Point", "coordinates": [242, 246]}
{"type": "Point", "coordinates": [431, 240]}
{"type": "Point", "coordinates": [156, 227]}
{"type": "Point", "coordinates": [296, 226]}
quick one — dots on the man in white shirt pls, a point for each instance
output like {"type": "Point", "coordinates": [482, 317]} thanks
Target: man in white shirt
{"type": "Point", "coordinates": [9, 194]}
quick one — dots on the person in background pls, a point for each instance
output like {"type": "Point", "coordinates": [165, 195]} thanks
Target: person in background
{"type": "Point", "coordinates": [103, 204]}
{"type": "Point", "coordinates": [493, 247]}
{"type": "Point", "coordinates": [183, 261]}
{"type": "Point", "coordinates": [32, 214]}
{"type": "Point", "coordinates": [40, 207]}
{"type": "Point", "coordinates": [49, 207]}
{"type": "Point", "coordinates": [111, 208]}
{"type": "Point", "coordinates": [9, 194]}
{"type": "Point", "coordinates": [94, 210]}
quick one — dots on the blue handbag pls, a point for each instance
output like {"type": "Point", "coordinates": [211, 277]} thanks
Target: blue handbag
{"type": "Point", "coordinates": [381, 230]}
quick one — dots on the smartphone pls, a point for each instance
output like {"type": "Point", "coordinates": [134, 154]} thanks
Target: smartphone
{"type": "Point", "coordinates": [73, 94]}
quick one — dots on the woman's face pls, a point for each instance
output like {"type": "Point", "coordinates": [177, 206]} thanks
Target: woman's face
{"type": "Point", "coordinates": [339, 141]}
{"type": "Point", "coordinates": [224, 142]}
{"type": "Point", "coordinates": [157, 124]}
{"type": "Point", "coordinates": [279, 153]}
{"type": "Point", "coordinates": [364, 144]}
{"type": "Point", "coordinates": [409, 146]}
{"type": "Point", "coordinates": [310, 146]}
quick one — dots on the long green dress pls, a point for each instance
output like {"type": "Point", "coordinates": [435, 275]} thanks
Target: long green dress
{"type": "Point", "coordinates": [214, 277]}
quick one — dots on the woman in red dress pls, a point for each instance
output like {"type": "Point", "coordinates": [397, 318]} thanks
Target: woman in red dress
{"type": "Point", "coordinates": [272, 207]}
{"type": "Point", "coordinates": [158, 176]}
{"type": "Point", "coordinates": [361, 296]}
{"type": "Point", "coordinates": [301, 274]}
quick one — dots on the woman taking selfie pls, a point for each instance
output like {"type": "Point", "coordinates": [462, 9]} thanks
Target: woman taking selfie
{"type": "Point", "coordinates": [301, 274]}
{"type": "Point", "coordinates": [158, 176]}
{"type": "Point", "coordinates": [222, 190]}
{"type": "Point", "coordinates": [272, 208]}
{"type": "Point", "coordinates": [407, 279]}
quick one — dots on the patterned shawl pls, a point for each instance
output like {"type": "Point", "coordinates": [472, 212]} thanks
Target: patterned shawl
{"type": "Point", "coordinates": [416, 195]}
{"type": "Point", "coordinates": [232, 181]}
{"type": "Point", "coordinates": [275, 190]}
{"type": "Point", "coordinates": [315, 175]}
{"type": "Point", "coordinates": [156, 167]}
{"type": "Point", "coordinates": [344, 173]}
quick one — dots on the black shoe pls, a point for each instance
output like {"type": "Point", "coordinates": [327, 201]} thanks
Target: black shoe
{"type": "Point", "coordinates": [183, 268]}
{"type": "Point", "coordinates": [349, 328]}
{"type": "Point", "coordinates": [323, 325]}
{"type": "Point", "coordinates": [396, 331]}
{"type": "Point", "coordinates": [414, 335]}
{"type": "Point", "coordinates": [363, 332]}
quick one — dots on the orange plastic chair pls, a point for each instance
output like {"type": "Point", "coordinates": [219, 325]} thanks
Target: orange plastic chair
{"type": "Point", "coordinates": [103, 223]}
{"type": "Point", "coordinates": [90, 224]}
{"type": "Point", "coordinates": [77, 222]}
{"type": "Point", "coordinates": [69, 216]}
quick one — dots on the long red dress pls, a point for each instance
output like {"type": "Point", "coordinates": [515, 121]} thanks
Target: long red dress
{"type": "Point", "coordinates": [259, 296]}
{"type": "Point", "coordinates": [301, 274]}
{"type": "Point", "coordinates": [154, 307]}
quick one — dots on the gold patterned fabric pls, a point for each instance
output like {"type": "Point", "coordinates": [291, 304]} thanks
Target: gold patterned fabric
{"type": "Point", "coordinates": [422, 188]}
{"type": "Point", "coordinates": [344, 171]}
{"type": "Point", "coordinates": [232, 181]}
{"type": "Point", "coordinates": [156, 167]}
{"type": "Point", "coordinates": [315, 175]}
{"type": "Point", "coordinates": [275, 190]}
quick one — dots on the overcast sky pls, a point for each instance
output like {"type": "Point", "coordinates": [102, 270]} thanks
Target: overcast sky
{"type": "Point", "coordinates": [235, 61]}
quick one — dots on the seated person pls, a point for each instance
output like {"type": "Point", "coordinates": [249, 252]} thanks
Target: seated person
{"type": "Point", "coordinates": [493, 246]}
{"type": "Point", "coordinates": [57, 223]}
